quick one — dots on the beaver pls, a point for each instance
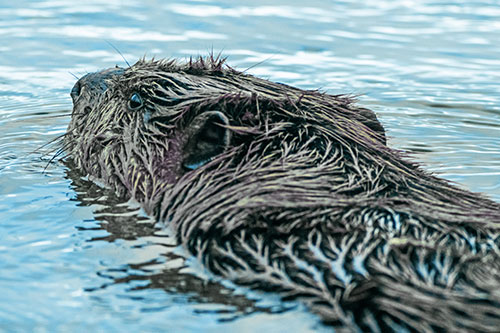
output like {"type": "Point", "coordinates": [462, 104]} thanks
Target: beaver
{"type": "Point", "coordinates": [291, 191]}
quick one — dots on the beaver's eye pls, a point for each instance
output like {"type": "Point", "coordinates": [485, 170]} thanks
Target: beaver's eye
{"type": "Point", "coordinates": [135, 101]}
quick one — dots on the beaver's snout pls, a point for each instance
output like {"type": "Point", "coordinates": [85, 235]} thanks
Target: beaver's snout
{"type": "Point", "coordinates": [94, 83]}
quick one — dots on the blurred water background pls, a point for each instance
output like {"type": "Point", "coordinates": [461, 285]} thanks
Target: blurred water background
{"type": "Point", "coordinates": [74, 258]}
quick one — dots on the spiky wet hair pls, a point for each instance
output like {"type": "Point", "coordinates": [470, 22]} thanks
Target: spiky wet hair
{"type": "Point", "coordinates": [293, 191]}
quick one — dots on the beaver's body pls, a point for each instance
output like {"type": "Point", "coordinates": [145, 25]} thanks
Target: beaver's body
{"type": "Point", "coordinates": [292, 191]}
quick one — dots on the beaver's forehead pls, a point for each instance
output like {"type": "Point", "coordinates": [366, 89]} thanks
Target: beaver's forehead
{"type": "Point", "coordinates": [152, 65]}
{"type": "Point", "coordinates": [178, 83]}
{"type": "Point", "coordinates": [210, 77]}
{"type": "Point", "coordinates": [172, 66]}
{"type": "Point", "coordinates": [158, 75]}
{"type": "Point", "coordinates": [142, 75]}
{"type": "Point", "coordinates": [191, 67]}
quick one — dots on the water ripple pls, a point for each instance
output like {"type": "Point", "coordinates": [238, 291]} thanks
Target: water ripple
{"type": "Point", "coordinates": [76, 254]}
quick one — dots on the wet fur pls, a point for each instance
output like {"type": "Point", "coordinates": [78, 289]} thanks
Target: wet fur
{"type": "Point", "coordinates": [307, 200]}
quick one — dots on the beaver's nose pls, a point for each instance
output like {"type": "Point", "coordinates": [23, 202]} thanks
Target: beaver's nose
{"type": "Point", "coordinates": [77, 89]}
{"type": "Point", "coordinates": [94, 83]}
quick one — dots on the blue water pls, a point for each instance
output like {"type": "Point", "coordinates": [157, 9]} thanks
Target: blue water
{"type": "Point", "coordinates": [74, 258]}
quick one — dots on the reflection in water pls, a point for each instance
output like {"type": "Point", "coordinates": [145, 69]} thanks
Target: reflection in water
{"type": "Point", "coordinates": [167, 269]}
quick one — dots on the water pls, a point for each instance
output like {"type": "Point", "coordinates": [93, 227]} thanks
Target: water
{"type": "Point", "coordinates": [74, 258]}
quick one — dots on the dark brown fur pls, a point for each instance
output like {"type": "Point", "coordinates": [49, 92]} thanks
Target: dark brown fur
{"type": "Point", "coordinates": [304, 198]}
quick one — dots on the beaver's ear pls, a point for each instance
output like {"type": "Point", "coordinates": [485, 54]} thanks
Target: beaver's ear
{"type": "Point", "coordinates": [207, 138]}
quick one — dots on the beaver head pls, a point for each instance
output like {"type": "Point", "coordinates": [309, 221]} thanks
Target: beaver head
{"type": "Point", "coordinates": [142, 128]}
{"type": "Point", "coordinates": [290, 190]}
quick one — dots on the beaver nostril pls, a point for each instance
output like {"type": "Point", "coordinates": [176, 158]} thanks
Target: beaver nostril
{"type": "Point", "coordinates": [75, 92]}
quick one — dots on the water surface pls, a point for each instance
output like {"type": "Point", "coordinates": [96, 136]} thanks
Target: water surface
{"type": "Point", "coordinates": [74, 258]}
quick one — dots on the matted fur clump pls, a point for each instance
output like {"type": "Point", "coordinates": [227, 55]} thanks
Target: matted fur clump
{"type": "Point", "coordinates": [291, 191]}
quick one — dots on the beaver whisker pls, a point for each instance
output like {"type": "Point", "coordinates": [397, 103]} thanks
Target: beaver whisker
{"type": "Point", "coordinates": [73, 75]}
{"type": "Point", "coordinates": [59, 152]}
{"type": "Point", "coordinates": [258, 63]}
{"type": "Point", "coordinates": [59, 115]}
{"type": "Point", "coordinates": [51, 151]}
{"type": "Point", "coordinates": [118, 51]}
{"type": "Point", "coordinates": [58, 140]}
